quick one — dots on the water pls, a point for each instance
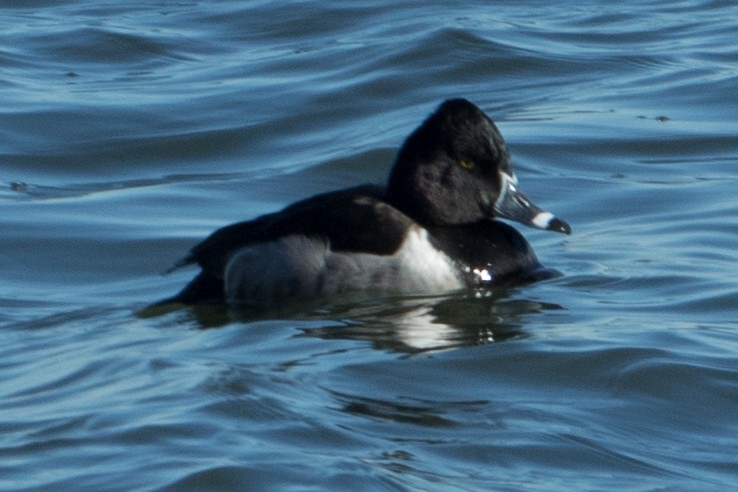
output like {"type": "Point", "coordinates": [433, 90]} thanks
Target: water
{"type": "Point", "coordinates": [130, 130]}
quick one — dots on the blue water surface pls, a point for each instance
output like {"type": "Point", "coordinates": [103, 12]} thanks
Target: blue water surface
{"type": "Point", "coordinates": [130, 130]}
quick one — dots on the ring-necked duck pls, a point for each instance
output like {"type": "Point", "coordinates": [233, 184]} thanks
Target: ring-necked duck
{"type": "Point", "coordinates": [431, 230]}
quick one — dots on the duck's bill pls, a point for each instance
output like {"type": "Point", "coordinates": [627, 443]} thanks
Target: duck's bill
{"type": "Point", "coordinates": [514, 205]}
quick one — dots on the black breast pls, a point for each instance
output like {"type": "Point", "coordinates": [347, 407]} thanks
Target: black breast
{"type": "Point", "coordinates": [488, 245]}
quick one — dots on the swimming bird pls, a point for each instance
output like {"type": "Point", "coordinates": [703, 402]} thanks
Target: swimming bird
{"type": "Point", "coordinates": [433, 228]}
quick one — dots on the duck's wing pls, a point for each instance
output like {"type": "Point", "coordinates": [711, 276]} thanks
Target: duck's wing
{"type": "Point", "coordinates": [353, 220]}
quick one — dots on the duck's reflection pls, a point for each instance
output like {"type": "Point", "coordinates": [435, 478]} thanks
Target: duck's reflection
{"type": "Point", "coordinates": [398, 324]}
{"type": "Point", "coordinates": [422, 325]}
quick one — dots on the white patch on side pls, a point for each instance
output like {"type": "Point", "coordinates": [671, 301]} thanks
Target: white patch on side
{"type": "Point", "coordinates": [302, 267]}
{"type": "Point", "coordinates": [542, 219]}
{"type": "Point", "coordinates": [417, 267]}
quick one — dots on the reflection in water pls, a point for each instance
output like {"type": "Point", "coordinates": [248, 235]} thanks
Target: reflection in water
{"type": "Point", "coordinates": [423, 325]}
{"type": "Point", "coordinates": [398, 324]}
{"type": "Point", "coordinates": [422, 413]}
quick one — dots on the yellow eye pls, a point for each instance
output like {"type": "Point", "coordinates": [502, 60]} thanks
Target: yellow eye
{"type": "Point", "coordinates": [466, 164]}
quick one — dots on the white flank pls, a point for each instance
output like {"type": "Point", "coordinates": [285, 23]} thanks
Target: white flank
{"type": "Point", "coordinates": [301, 267]}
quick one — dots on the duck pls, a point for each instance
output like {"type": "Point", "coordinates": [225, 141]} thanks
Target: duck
{"type": "Point", "coordinates": [434, 227]}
